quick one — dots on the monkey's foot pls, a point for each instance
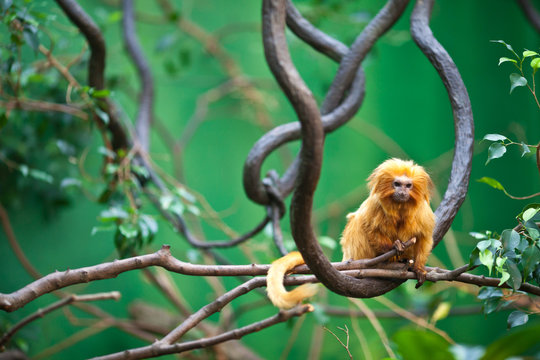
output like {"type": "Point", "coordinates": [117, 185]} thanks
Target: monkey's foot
{"type": "Point", "coordinates": [399, 246]}
{"type": "Point", "coordinates": [420, 275]}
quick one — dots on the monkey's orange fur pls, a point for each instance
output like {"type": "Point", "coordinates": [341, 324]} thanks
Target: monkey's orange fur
{"type": "Point", "coordinates": [380, 220]}
{"type": "Point", "coordinates": [372, 230]}
{"type": "Point", "coordinates": [280, 297]}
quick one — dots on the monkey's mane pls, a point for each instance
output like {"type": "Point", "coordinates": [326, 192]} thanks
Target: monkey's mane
{"type": "Point", "coordinates": [380, 181]}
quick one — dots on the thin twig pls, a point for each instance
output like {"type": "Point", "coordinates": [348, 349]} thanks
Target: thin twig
{"type": "Point", "coordinates": [60, 303]}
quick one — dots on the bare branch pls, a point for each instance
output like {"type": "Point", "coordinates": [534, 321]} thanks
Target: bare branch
{"type": "Point", "coordinates": [60, 303]}
{"type": "Point", "coordinates": [530, 13]}
{"type": "Point", "coordinates": [158, 348]}
{"type": "Point", "coordinates": [146, 98]}
{"type": "Point", "coordinates": [96, 66]}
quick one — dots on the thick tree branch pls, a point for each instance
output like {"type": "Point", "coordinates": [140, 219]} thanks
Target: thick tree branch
{"type": "Point", "coordinates": [463, 117]}
{"type": "Point", "coordinates": [530, 13]}
{"type": "Point", "coordinates": [96, 66]}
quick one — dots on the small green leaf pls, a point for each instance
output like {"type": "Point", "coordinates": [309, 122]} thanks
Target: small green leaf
{"type": "Point", "coordinates": [24, 170]}
{"type": "Point", "coordinates": [505, 59]}
{"type": "Point", "coordinates": [97, 229]}
{"type": "Point", "coordinates": [477, 235]}
{"type": "Point", "coordinates": [510, 238]}
{"type": "Point", "coordinates": [69, 182]}
{"type": "Point", "coordinates": [529, 214]}
{"type": "Point", "coordinates": [509, 47]}
{"type": "Point", "coordinates": [327, 242]}
{"type": "Point", "coordinates": [128, 230]}
{"type": "Point", "coordinates": [524, 149]}
{"type": "Point", "coordinates": [112, 214]}
{"type": "Point", "coordinates": [504, 277]}
{"type": "Point", "coordinates": [100, 94]}
{"type": "Point", "coordinates": [102, 115]}
{"type": "Point", "coordinates": [41, 175]}
{"type": "Point", "coordinates": [165, 201]}
{"type": "Point", "coordinates": [31, 38]}
{"type": "Point", "coordinates": [177, 208]}
{"type": "Point", "coordinates": [194, 210]}
{"type": "Point", "coordinates": [529, 260]}
{"type": "Point", "coordinates": [515, 275]}
{"type": "Point", "coordinates": [528, 53]}
{"type": "Point", "coordinates": [495, 137]}
{"type": "Point", "coordinates": [495, 151]}
{"type": "Point", "coordinates": [535, 64]}
{"type": "Point", "coordinates": [486, 258]}
{"type": "Point", "coordinates": [483, 245]}
{"type": "Point", "coordinates": [517, 318]}
{"type": "Point", "coordinates": [489, 292]}
{"type": "Point", "coordinates": [491, 182]}
{"type": "Point", "coordinates": [516, 80]}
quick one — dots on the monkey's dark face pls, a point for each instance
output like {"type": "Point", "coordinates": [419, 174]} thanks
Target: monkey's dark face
{"type": "Point", "coordinates": [402, 186]}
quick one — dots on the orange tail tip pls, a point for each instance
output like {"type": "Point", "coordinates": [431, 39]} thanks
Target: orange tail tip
{"type": "Point", "coordinates": [280, 297]}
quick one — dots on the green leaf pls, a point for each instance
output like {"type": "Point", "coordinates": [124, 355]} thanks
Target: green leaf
{"type": "Point", "coordinates": [112, 214]}
{"type": "Point", "coordinates": [69, 182]}
{"type": "Point", "coordinates": [515, 275]}
{"type": "Point", "coordinates": [97, 229]}
{"type": "Point", "coordinates": [517, 318]}
{"type": "Point", "coordinates": [495, 151]}
{"type": "Point", "coordinates": [194, 210]}
{"type": "Point", "coordinates": [529, 214]}
{"type": "Point", "coordinates": [505, 59]}
{"type": "Point", "coordinates": [510, 239]}
{"type": "Point", "coordinates": [3, 119]}
{"type": "Point", "coordinates": [128, 230]}
{"type": "Point", "coordinates": [535, 64]}
{"type": "Point", "coordinates": [474, 258]}
{"type": "Point", "coordinates": [489, 293]}
{"type": "Point", "coordinates": [516, 80]}
{"type": "Point", "coordinates": [486, 258]}
{"type": "Point", "coordinates": [41, 175]}
{"type": "Point", "coordinates": [31, 38]}
{"type": "Point", "coordinates": [165, 201]}
{"type": "Point", "coordinates": [529, 260]}
{"type": "Point", "coordinates": [529, 53]}
{"type": "Point", "coordinates": [6, 4]}
{"type": "Point", "coordinates": [328, 242]}
{"type": "Point", "coordinates": [102, 115]}
{"type": "Point", "coordinates": [524, 149]}
{"type": "Point", "coordinates": [516, 343]}
{"type": "Point", "coordinates": [182, 192]}
{"type": "Point", "coordinates": [491, 305]}
{"type": "Point", "coordinates": [509, 47]}
{"type": "Point", "coordinates": [23, 169]}
{"type": "Point", "coordinates": [491, 182]}
{"type": "Point", "coordinates": [421, 345]}
{"type": "Point", "coordinates": [495, 137]}
{"type": "Point", "coordinates": [477, 235]}
{"type": "Point", "coordinates": [504, 277]}
{"type": "Point", "coordinates": [100, 94]}
{"type": "Point", "coordinates": [483, 245]}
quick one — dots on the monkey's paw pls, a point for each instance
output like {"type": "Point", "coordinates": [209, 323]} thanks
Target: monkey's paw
{"type": "Point", "coordinates": [399, 246]}
{"type": "Point", "coordinates": [420, 275]}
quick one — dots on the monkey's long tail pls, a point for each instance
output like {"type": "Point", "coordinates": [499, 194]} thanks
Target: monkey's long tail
{"type": "Point", "coordinates": [280, 297]}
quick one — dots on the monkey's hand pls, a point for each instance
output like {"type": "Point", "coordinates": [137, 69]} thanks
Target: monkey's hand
{"type": "Point", "coordinates": [399, 246]}
{"type": "Point", "coordinates": [420, 275]}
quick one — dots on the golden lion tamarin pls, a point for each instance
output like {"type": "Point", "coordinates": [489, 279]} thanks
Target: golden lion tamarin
{"type": "Point", "coordinates": [397, 209]}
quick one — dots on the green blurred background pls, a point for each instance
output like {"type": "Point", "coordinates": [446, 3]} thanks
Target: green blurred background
{"type": "Point", "coordinates": [406, 113]}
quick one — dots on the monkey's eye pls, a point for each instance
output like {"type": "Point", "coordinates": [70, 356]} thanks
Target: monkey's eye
{"type": "Point", "coordinates": [409, 186]}
{"type": "Point", "coordinates": [396, 184]}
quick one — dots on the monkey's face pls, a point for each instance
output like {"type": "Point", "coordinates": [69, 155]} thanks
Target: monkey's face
{"type": "Point", "coordinates": [402, 186]}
